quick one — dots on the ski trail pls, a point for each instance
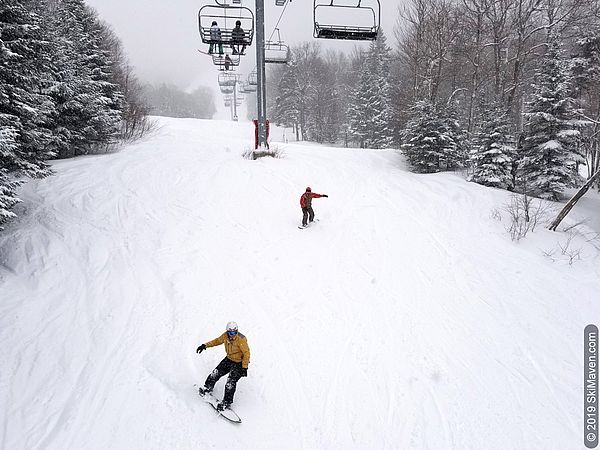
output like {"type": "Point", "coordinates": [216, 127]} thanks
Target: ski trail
{"type": "Point", "coordinates": [405, 319]}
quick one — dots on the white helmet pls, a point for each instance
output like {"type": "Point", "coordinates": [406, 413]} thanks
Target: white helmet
{"type": "Point", "coordinates": [232, 326]}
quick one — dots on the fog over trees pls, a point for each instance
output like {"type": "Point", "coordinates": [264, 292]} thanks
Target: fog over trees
{"type": "Point", "coordinates": [171, 101]}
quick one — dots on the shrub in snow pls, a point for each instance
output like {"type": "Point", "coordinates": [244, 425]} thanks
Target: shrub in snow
{"type": "Point", "coordinates": [524, 214]}
{"type": "Point", "coordinates": [565, 251]}
{"type": "Point", "coordinates": [273, 151]}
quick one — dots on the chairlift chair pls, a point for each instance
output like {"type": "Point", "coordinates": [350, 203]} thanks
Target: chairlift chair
{"type": "Point", "coordinates": [361, 21]}
{"type": "Point", "coordinates": [227, 79]}
{"type": "Point", "coordinates": [276, 52]}
{"type": "Point", "coordinates": [226, 89]}
{"type": "Point", "coordinates": [219, 59]}
{"type": "Point", "coordinates": [245, 88]}
{"type": "Point", "coordinates": [226, 16]}
{"type": "Point", "coordinates": [252, 78]}
{"type": "Point", "coordinates": [280, 2]}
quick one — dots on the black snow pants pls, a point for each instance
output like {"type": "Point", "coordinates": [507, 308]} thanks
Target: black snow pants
{"type": "Point", "coordinates": [307, 214]}
{"type": "Point", "coordinates": [225, 367]}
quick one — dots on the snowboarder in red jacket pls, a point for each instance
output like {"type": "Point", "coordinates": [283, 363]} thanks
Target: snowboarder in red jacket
{"type": "Point", "coordinates": [306, 204]}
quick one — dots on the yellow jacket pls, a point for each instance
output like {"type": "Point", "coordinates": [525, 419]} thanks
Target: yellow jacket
{"type": "Point", "coordinates": [237, 348]}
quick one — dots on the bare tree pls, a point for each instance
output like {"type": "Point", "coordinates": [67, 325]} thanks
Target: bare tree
{"type": "Point", "coordinates": [410, 33]}
{"type": "Point", "coordinates": [497, 14]}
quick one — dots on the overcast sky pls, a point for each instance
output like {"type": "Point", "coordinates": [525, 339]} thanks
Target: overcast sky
{"type": "Point", "coordinates": [161, 36]}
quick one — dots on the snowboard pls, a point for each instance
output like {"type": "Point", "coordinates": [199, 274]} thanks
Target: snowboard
{"type": "Point", "coordinates": [212, 54]}
{"type": "Point", "coordinates": [228, 413]}
{"type": "Point", "coordinates": [309, 224]}
{"type": "Point", "coordinates": [220, 54]}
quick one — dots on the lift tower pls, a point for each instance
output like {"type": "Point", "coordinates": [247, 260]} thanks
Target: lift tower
{"type": "Point", "coordinates": [261, 91]}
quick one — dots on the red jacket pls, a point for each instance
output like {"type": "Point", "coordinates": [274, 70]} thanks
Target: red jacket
{"type": "Point", "coordinates": [306, 199]}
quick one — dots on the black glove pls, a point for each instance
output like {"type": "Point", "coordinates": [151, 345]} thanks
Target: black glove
{"type": "Point", "coordinates": [201, 348]}
{"type": "Point", "coordinates": [244, 372]}
{"type": "Point", "coordinates": [324, 195]}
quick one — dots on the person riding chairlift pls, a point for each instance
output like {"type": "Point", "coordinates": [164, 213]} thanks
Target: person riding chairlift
{"type": "Point", "coordinates": [215, 37]}
{"type": "Point", "coordinates": [238, 37]}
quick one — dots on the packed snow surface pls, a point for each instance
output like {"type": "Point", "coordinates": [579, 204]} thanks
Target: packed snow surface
{"type": "Point", "coordinates": [405, 318]}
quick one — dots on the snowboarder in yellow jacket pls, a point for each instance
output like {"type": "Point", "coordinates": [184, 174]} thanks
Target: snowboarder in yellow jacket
{"type": "Point", "coordinates": [235, 363]}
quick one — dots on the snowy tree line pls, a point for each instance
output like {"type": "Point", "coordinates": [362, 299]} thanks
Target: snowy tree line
{"type": "Point", "coordinates": [66, 89]}
{"type": "Point", "coordinates": [509, 90]}
{"type": "Point", "coordinates": [169, 100]}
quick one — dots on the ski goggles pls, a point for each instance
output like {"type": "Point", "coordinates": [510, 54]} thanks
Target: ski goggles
{"type": "Point", "coordinates": [231, 332]}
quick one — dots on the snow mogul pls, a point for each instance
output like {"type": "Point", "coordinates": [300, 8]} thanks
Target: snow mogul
{"type": "Point", "coordinates": [235, 363]}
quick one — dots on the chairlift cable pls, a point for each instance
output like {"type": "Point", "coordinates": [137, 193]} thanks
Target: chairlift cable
{"type": "Point", "coordinates": [275, 28]}
{"type": "Point", "coordinates": [279, 20]}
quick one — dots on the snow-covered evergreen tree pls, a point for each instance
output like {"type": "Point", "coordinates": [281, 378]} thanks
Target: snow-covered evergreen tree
{"type": "Point", "coordinates": [88, 102]}
{"type": "Point", "coordinates": [586, 68]}
{"type": "Point", "coordinates": [110, 102]}
{"type": "Point", "coordinates": [24, 109]}
{"type": "Point", "coordinates": [60, 93]}
{"type": "Point", "coordinates": [327, 99]}
{"type": "Point", "coordinates": [8, 183]}
{"type": "Point", "coordinates": [286, 112]}
{"type": "Point", "coordinates": [432, 139]}
{"type": "Point", "coordinates": [494, 150]}
{"type": "Point", "coordinates": [334, 114]}
{"type": "Point", "coordinates": [423, 140]}
{"type": "Point", "coordinates": [550, 142]}
{"type": "Point", "coordinates": [335, 118]}
{"type": "Point", "coordinates": [297, 93]}
{"type": "Point", "coordinates": [359, 107]}
{"type": "Point", "coordinates": [321, 101]}
{"type": "Point", "coordinates": [456, 153]}
{"type": "Point", "coordinates": [381, 136]}
{"type": "Point", "coordinates": [369, 111]}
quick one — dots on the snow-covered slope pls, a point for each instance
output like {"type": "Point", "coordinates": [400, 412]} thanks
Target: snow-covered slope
{"type": "Point", "coordinates": [405, 318]}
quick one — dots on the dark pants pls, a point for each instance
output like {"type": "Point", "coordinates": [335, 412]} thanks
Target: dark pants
{"type": "Point", "coordinates": [225, 367]}
{"type": "Point", "coordinates": [307, 214]}
{"type": "Point", "coordinates": [213, 45]}
{"type": "Point", "coordinates": [235, 46]}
